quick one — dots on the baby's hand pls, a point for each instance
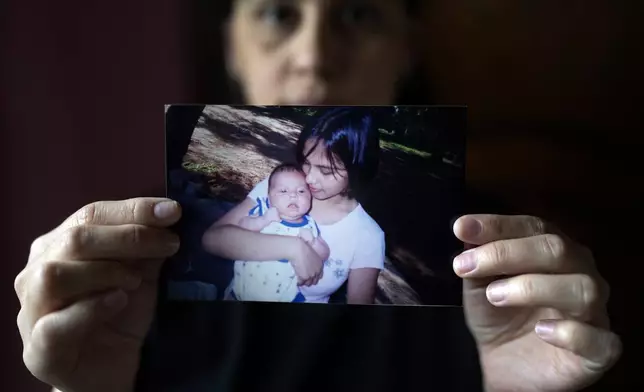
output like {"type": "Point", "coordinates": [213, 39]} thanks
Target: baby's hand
{"type": "Point", "coordinates": [306, 235]}
{"type": "Point", "coordinates": [272, 215]}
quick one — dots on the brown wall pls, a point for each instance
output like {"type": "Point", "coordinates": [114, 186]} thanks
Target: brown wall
{"type": "Point", "coordinates": [551, 87]}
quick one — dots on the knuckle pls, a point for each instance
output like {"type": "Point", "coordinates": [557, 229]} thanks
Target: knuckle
{"type": "Point", "coordinates": [495, 254]}
{"type": "Point", "coordinates": [495, 225]}
{"type": "Point", "coordinates": [75, 239]}
{"type": "Point", "coordinates": [37, 354]}
{"type": "Point", "coordinates": [526, 288]}
{"type": "Point", "coordinates": [37, 246]}
{"type": "Point", "coordinates": [609, 353]}
{"type": "Point", "coordinates": [19, 283]}
{"type": "Point", "coordinates": [33, 363]}
{"type": "Point", "coordinates": [587, 290]}
{"type": "Point", "coordinates": [555, 246]}
{"type": "Point", "coordinates": [21, 323]}
{"type": "Point", "coordinates": [615, 349]}
{"type": "Point", "coordinates": [566, 333]}
{"type": "Point", "coordinates": [133, 209]}
{"type": "Point", "coordinates": [47, 277]}
{"type": "Point", "coordinates": [87, 214]}
{"type": "Point", "coordinates": [536, 225]}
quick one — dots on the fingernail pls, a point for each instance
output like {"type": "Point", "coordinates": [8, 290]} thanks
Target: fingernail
{"type": "Point", "coordinates": [132, 282]}
{"type": "Point", "coordinates": [165, 209]}
{"type": "Point", "coordinates": [471, 227]}
{"type": "Point", "coordinates": [115, 300]}
{"type": "Point", "coordinates": [545, 329]}
{"type": "Point", "coordinates": [497, 291]}
{"type": "Point", "coordinates": [465, 262]}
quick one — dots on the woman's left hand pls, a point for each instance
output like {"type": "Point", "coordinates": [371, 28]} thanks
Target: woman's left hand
{"type": "Point", "coordinates": [308, 265]}
{"type": "Point", "coordinates": [535, 304]}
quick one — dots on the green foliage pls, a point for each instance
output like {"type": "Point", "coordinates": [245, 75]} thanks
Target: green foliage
{"type": "Point", "coordinates": [306, 111]}
{"type": "Point", "coordinates": [409, 150]}
{"type": "Point", "coordinates": [204, 168]}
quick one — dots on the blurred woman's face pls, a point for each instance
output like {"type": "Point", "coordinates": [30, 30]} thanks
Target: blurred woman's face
{"type": "Point", "coordinates": [307, 52]}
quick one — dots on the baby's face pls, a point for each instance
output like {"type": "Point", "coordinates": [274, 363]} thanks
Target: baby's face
{"type": "Point", "coordinates": [290, 195]}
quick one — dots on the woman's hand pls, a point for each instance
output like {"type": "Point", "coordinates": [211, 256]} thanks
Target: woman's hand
{"type": "Point", "coordinates": [307, 264]}
{"type": "Point", "coordinates": [272, 215]}
{"type": "Point", "coordinates": [535, 304]}
{"type": "Point", "coordinates": [306, 235]}
{"type": "Point", "coordinates": [88, 293]}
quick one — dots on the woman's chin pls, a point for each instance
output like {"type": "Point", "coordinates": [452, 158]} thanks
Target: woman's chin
{"type": "Point", "coordinates": [305, 102]}
{"type": "Point", "coordinates": [323, 196]}
{"type": "Point", "coordinates": [309, 100]}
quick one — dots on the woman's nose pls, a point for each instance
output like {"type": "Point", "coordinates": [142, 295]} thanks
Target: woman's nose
{"type": "Point", "coordinates": [312, 48]}
{"type": "Point", "coordinates": [310, 180]}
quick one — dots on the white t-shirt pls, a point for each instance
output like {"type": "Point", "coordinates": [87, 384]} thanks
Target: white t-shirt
{"type": "Point", "coordinates": [356, 241]}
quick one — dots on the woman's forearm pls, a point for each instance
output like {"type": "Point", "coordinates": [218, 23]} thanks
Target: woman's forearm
{"type": "Point", "coordinates": [321, 248]}
{"type": "Point", "coordinates": [254, 223]}
{"type": "Point", "coordinates": [234, 243]}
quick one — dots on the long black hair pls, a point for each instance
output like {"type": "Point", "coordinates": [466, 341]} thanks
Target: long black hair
{"type": "Point", "coordinates": [347, 134]}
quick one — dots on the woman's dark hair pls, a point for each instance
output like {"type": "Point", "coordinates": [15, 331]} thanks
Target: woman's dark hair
{"type": "Point", "coordinates": [350, 136]}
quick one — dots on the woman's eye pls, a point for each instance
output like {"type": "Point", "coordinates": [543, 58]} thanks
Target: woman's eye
{"type": "Point", "coordinates": [278, 15]}
{"type": "Point", "coordinates": [326, 172]}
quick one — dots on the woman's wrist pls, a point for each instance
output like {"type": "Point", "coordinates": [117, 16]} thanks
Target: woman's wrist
{"type": "Point", "coordinates": [293, 247]}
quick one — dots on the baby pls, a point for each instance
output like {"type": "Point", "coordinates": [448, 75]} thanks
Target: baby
{"type": "Point", "coordinates": [283, 213]}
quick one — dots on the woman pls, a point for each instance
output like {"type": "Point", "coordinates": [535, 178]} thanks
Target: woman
{"type": "Point", "coordinates": [328, 153]}
{"type": "Point", "coordinates": [89, 288]}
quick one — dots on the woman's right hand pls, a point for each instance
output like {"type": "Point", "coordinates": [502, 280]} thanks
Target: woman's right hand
{"type": "Point", "coordinates": [307, 264]}
{"type": "Point", "coordinates": [88, 293]}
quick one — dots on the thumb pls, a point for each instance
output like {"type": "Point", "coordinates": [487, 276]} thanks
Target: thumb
{"type": "Point", "coordinates": [598, 348]}
{"type": "Point", "coordinates": [57, 338]}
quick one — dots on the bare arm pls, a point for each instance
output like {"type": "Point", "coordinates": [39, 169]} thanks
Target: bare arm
{"type": "Point", "coordinates": [226, 239]}
{"type": "Point", "coordinates": [361, 288]}
{"type": "Point", "coordinates": [234, 243]}
{"type": "Point", "coordinates": [254, 223]}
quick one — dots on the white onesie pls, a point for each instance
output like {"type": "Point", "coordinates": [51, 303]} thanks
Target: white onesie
{"type": "Point", "coordinates": [269, 281]}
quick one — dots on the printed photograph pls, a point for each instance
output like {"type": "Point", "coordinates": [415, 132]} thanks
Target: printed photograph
{"type": "Point", "coordinates": [324, 205]}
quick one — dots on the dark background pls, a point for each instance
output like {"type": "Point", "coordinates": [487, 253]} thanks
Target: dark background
{"type": "Point", "coordinates": [553, 89]}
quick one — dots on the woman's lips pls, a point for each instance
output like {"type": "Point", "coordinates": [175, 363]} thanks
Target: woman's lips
{"type": "Point", "coordinates": [307, 92]}
{"type": "Point", "coordinates": [312, 189]}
